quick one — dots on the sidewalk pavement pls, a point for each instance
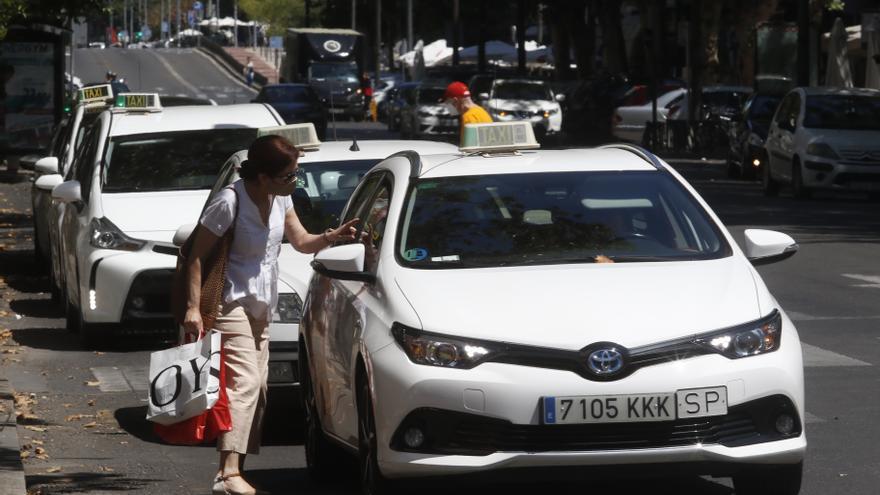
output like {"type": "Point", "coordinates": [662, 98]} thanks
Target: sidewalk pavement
{"type": "Point", "coordinates": [261, 66]}
{"type": "Point", "coordinates": [11, 468]}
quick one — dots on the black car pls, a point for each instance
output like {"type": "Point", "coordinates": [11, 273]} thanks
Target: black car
{"type": "Point", "coordinates": [747, 134]}
{"type": "Point", "coordinates": [296, 103]}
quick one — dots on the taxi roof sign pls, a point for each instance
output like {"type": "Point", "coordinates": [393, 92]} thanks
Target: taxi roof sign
{"type": "Point", "coordinates": [303, 136]}
{"type": "Point", "coordinates": [93, 94]}
{"type": "Point", "coordinates": [147, 102]}
{"type": "Point", "coordinates": [499, 137]}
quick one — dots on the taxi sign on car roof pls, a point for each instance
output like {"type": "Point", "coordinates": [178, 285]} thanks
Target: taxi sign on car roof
{"type": "Point", "coordinates": [148, 102]}
{"type": "Point", "coordinates": [499, 137]}
{"type": "Point", "coordinates": [95, 94]}
{"type": "Point", "coordinates": [303, 136]}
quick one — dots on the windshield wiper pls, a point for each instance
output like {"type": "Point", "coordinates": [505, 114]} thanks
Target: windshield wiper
{"type": "Point", "coordinates": [636, 259]}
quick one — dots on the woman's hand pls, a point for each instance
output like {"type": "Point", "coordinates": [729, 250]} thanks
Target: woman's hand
{"type": "Point", "coordinates": [192, 323]}
{"type": "Point", "coordinates": [345, 232]}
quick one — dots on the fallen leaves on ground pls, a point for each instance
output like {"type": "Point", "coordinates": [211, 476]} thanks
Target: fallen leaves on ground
{"type": "Point", "coordinates": [106, 469]}
{"type": "Point", "coordinates": [92, 383]}
{"type": "Point", "coordinates": [91, 402]}
{"type": "Point", "coordinates": [38, 429]}
{"type": "Point", "coordinates": [54, 470]}
{"type": "Point", "coordinates": [77, 417]}
{"type": "Point", "coordinates": [90, 425]}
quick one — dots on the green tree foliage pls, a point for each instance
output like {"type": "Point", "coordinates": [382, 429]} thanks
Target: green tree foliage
{"type": "Point", "coordinates": [53, 12]}
{"type": "Point", "coordinates": [279, 14]}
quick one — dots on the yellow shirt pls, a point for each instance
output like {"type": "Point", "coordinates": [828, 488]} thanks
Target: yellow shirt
{"type": "Point", "coordinates": [475, 115]}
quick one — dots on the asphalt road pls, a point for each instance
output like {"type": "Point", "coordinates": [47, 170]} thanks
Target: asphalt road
{"type": "Point", "coordinates": [82, 425]}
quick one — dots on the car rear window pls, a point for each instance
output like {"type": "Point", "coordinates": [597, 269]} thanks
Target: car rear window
{"type": "Point", "coordinates": [851, 112]}
{"type": "Point", "coordinates": [550, 218]}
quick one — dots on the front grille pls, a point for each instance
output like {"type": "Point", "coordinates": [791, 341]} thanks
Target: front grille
{"type": "Point", "coordinates": [454, 433]}
{"type": "Point", "coordinates": [846, 178]}
{"type": "Point", "coordinates": [866, 156]}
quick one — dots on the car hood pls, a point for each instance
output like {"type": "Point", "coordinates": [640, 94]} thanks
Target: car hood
{"type": "Point", "coordinates": [153, 216]}
{"type": "Point", "coordinates": [571, 306]}
{"type": "Point", "coordinates": [845, 139]}
{"type": "Point", "coordinates": [521, 105]}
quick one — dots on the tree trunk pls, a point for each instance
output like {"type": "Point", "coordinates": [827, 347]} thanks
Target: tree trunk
{"type": "Point", "coordinates": [710, 24]}
{"type": "Point", "coordinates": [584, 36]}
{"type": "Point", "coordinates": [612, 37]}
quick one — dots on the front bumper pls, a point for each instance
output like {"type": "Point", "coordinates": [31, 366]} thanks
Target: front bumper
{"type": "Point", "coordinates": [495, 412]}
{"type": "Point", "coordinates": [820, 173]}
{"type": "Point", "coordinates": [542, 125]}
{"type": "Point", "coordinates": [438, 126]}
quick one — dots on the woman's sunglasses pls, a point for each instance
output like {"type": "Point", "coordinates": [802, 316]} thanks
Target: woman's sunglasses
{"type": "Point", "coordinates": [288, 178]}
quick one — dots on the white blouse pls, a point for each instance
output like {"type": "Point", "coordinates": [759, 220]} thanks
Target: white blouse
{"type": "Point", "coordinates": [252, 273]}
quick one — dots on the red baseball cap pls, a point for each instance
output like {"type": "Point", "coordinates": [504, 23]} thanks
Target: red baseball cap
{"type": "Point", "coordinates": [456, 90]}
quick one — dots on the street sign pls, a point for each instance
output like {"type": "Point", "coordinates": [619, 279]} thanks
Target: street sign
{"type": "Point", "coordinates": [147, 33]}
{"type": "Point", "coordinates": [165, 28]}
{"type": "Point", "coordinates": [197, 5]}
{"type": "Point", "coordinates": [276, 42]}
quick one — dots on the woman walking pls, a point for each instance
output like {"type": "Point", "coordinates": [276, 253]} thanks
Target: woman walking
{"type": "Point", "coordinates": [260, 210]}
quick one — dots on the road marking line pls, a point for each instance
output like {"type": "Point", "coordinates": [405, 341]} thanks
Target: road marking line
{"type": "Point", "coordinates": [812, 418]}
{"type": "Point", "coordinates": [816, 357]}
{"type": "Point", "coordinates": [873, 280]}
{"type": "Point", "coordinates": [110, 379]}
{"type": "Point", "coordinates": [196, 91]}
{"type": "Point", "coordinates": [224, 72]}
{"type": "Point", "coordinates": [794, 315]}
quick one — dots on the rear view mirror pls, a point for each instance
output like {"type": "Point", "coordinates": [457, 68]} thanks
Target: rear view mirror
{"type": "Point", "coordinates": [48, 182]}
{"type": "Point", "coordinates": [560, 97]}
{"type": "Point", "coordinates": [67, 192]}
{"type": "Point", "coordinates": [344, 262]}
{"type": "Point", "coordinates": [767, 246]}
{"type": "Point", "coordinates": [48, 165]}
{"type": "Point", "coordinates": [182, 234]}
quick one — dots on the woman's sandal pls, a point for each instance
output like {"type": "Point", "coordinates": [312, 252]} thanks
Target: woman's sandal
{"type": "Point", "coordinates": [220, 487]}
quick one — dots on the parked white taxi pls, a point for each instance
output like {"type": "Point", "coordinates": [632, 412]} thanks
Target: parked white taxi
{"type": "Point", "coordinates": [141, 172]}
{"type": "Point", "coordinates": [824, 138]}
{"type": "Point", "coordinates": [509, 308]}
{"type": "Point", "coordinates": [329, 172]}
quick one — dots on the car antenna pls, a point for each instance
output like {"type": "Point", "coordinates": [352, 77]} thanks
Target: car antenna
{"type": "Point", "coordinates": [354, 145]}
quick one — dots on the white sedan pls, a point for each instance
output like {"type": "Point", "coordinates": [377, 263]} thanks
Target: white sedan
{"type": "Point", "coordinates": [824, 138]}
{"type": "Point", "coordinates": [329, 173]}
{"type": "Point", "coordinates": [629, 122]}
{"type": "Point", "coordinates": [141, 172]}
{"type": "Point", "coordinates": [525, 99]}
{"type": "Point", "coordinates": [573, 308]}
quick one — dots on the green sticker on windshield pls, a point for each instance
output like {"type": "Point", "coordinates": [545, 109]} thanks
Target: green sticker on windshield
{"type": "Point", "coordinates": [415, 254]}
{"type": "Point", "coordinates": [427, 185]}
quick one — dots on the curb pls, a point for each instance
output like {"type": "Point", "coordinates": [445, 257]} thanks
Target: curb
{"type": "Point", "coordinates": [236, 74]}
{"type": "Point", "coordinates": [11, 469]}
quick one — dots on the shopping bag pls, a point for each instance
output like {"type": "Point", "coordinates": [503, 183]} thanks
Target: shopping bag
{"type": "Point", "coordinates": [184, 381]}
{"type": "Point", "coordinates": [204, 427]}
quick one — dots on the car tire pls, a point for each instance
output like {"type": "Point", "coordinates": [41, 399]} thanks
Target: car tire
{"type": "Point", "coordinates": [769, 184]}
{"type": "Point", "coordinates": [733, 170]}
{"type": "Point", "coordinates": [371, 479]}
{"type": "Point", "coordinates": [799, 190]}
{"type": "Point", "coordinates": [747, 170]}
{"type": "Point", "coordinates": [88, 332]}
{"type": "Point", "coordinates": [780, 480]}
{"type": "Point", "coordinates": [322, 457]}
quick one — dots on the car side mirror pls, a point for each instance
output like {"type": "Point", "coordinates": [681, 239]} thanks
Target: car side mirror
{"type": "Point", "coordinates": [47, 165]}
{"type": "Point", "coordinates": [48, 182]}
{"type": "Point", "coordinates": [560, 97]}
{"type": "Point", "coordinates": [344, 262]}
{"type": "Point", "coordinates": [767, 246]}
{"type": "Point", "coordinates": [182, 234]}
{"type": "Point", "coordinates": [68, 192]}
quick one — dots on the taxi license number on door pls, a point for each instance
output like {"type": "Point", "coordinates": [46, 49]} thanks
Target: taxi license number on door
{"type": "Point", "coordinates": [687, 403]}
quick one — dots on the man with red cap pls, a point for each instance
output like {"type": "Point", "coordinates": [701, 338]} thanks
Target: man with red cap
{"type": "Point", "coordinates": [458, 94]}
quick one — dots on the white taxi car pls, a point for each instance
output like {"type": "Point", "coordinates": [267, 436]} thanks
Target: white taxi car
{"type": "Point", "coordinates": [141, 171]}
{"type": "Point", "coordinates": [525, 99]}
{"type": "Point", "coordinates": [50, 170]}
{"type": "Point", "coordinates": [824, 138]}
{"type": "Point", "coordinates": [513, 309]}
{"type": "Point", "coordinates": [329, 172]}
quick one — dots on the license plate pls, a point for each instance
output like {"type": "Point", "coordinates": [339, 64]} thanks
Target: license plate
{"type": "Point", "coordinates": [635, 408]}
{"type": "Point", "coordinates": [280, 372]}
{"type": "Point", "coordinates": [337, 110]}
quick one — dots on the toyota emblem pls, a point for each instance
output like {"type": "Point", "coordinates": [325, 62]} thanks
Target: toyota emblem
{"type": "Point", "coordinates": [605, 361]}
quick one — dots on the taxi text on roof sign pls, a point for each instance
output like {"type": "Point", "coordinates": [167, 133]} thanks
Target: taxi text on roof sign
{"type": "Point", "coordinates": [498, 137]}
{"type": "Point", "coordinates": [139, 101]}
{"type": "Point", "coordinates": [303, 136]}
{"type": "Point", "coordinates": [95, 93]}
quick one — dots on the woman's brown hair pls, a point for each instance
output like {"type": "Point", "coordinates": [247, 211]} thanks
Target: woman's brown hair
{"type": "Point", "coordinates": [268, 155]}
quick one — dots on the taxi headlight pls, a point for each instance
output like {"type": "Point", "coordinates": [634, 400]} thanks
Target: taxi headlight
{"type": "Point", "coordinates": [289, 309]}
{"type": "Point", "coordinates": [441, 350]}
{"type": "Point", "coordinates": [104, 235]}
{"type": "Point", "coordinates": [759, 337]}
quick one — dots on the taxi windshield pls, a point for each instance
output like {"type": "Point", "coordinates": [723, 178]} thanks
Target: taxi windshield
{"type": "Point", "coordinates": [323, 189]}
{"type": "Point", "coordinates": [170, 161]}
{"type": "Point", "coordinates": [552, 218]}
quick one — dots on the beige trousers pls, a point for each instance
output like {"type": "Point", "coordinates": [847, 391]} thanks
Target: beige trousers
{"type": "Point", "coordinates": [246, 356]}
